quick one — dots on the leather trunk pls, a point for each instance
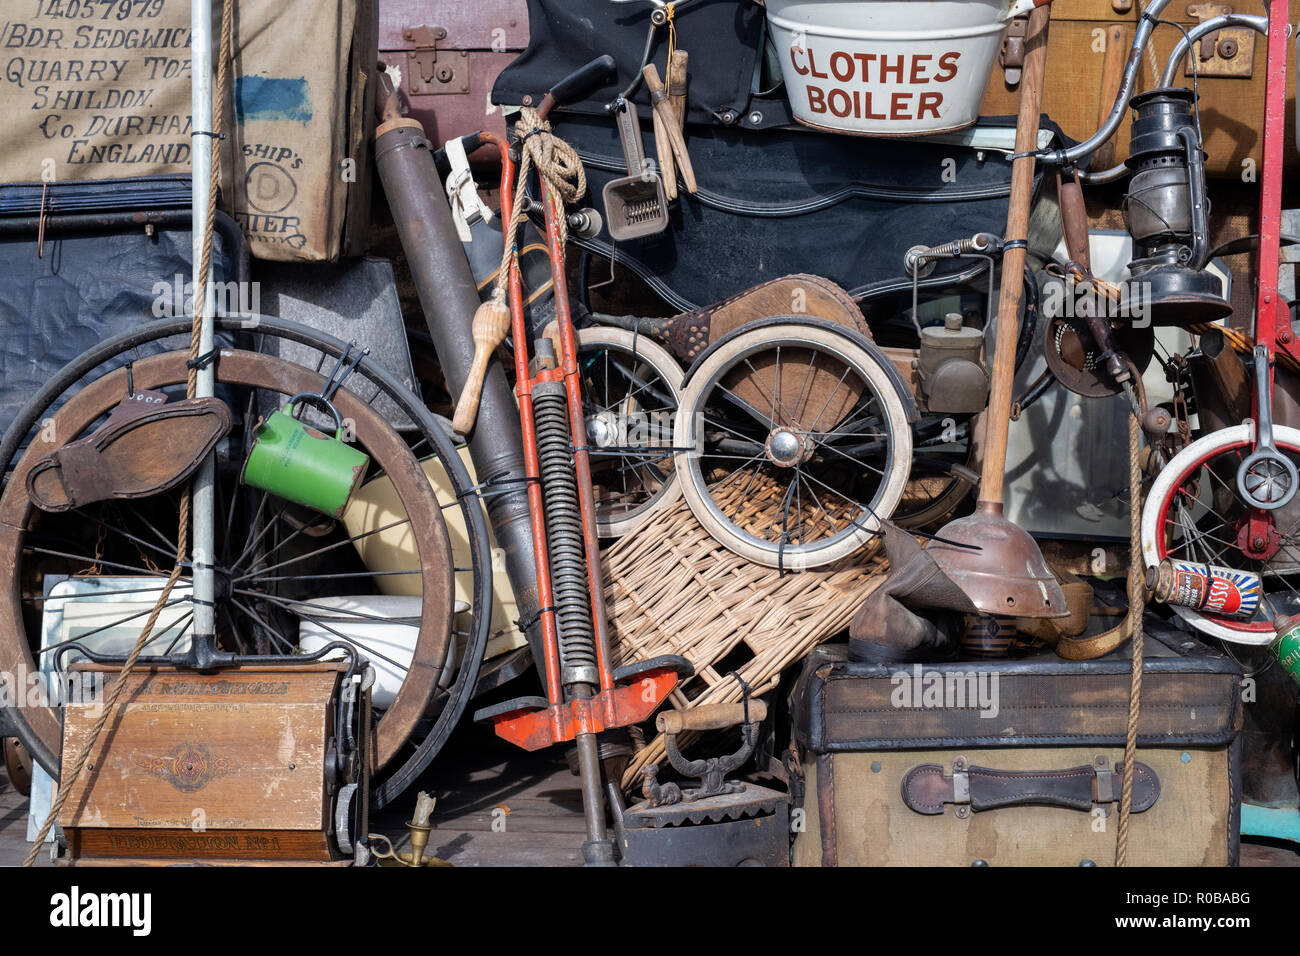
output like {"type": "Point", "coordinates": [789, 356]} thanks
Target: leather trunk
{"type": "Point", "coordinates": [1079, 89]}
{"type": "Point", "coordinates": [879, 752]}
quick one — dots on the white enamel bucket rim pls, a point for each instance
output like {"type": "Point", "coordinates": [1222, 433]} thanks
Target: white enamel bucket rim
{"type": "Point", "coordinates": [893, 36]}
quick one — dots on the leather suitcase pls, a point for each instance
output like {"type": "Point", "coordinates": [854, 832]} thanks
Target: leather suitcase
{"type": "Point", "coordinates": [1088, 43]}
{"type": "Point", "coordinates": [446, 55]}
{"type": "Point", "coordinates": [894, 777]}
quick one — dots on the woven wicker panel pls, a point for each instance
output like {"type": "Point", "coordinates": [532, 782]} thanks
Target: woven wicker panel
{"type": "Point", "coordinates": [671, 588]}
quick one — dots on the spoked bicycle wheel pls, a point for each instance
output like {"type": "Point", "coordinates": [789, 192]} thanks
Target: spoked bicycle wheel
{"type": "Point", "coordinates": [281, 570]}
{"type": "Point", "coordinates": [1194, 513]}
{"type": "Point", "coordinates": [631, 389]}
{"type": "Point", "coordinates": [945, 469]}
{"type": "Point", "coordinates": [813, 429]}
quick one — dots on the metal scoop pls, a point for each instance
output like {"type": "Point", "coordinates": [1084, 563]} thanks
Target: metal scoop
{"type": "Point", "coordinates": [635, 205]}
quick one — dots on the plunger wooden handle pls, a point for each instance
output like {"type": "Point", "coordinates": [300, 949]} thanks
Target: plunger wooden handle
{"type": "Point", "coordinates": [491, 323]}
{"type": "Point", "coordinates": [998, 419]}
{"type": "Point", "coordinates": [709, 717]}
{"type": "Point", "coordinates": [1112, 72]}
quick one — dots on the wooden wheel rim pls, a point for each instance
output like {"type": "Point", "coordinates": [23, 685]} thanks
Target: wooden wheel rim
{"type": "Point", "coordinates": [277, 375]}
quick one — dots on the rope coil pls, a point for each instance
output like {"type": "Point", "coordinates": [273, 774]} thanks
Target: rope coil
{"type": "Point", "coordinates": [557, 165]}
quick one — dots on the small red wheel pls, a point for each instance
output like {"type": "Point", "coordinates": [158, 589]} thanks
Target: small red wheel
{"type": "Point", "coordinates": [1194, 513]}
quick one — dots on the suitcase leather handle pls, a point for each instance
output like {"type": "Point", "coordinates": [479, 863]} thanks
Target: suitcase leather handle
{"type": "Point", "coordinates": [926, 788]}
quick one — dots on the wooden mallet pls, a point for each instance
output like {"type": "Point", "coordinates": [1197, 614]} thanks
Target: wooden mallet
{"type": "Point", "coordinates": [491, 323]}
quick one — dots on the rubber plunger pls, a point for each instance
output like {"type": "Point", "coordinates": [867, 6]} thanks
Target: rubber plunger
{"type": "Point", "coordinates": [995, 562]}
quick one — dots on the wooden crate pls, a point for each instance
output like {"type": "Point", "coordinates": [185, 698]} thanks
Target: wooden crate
{"type": "Point", "coordinates": [229, 765]}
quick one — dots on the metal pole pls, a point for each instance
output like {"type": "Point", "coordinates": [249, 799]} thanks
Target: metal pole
{"type": "Point", "coordinates": [201, 140]}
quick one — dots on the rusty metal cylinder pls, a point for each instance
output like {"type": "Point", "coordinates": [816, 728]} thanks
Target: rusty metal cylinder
{"type": "Point", "coordinates": [1204, 587]}
{"type": "Point", "coordinates": [449, 297]}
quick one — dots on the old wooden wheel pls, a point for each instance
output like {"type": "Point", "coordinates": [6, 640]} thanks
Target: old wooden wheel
{"type": "Point", "coordinates": [277, 565]}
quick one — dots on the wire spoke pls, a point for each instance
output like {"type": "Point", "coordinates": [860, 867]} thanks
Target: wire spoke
{"type": "Point", "coordinates": [112, 624]}
{"type": "Point", "coordinates": [92, 595]}
{"type": "Point", "coordinates": [319, 551]}
{"type": "Point", "coordinates": [284, 642]}
{"type": "Point", "coordinates": [150, 572]}
{"type": "Point", "coordinates": [370, 651]}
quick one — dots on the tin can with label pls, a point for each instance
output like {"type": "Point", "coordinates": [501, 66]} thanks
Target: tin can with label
{"type": "Point", "coordinates": [1204, 587]}
{"type": "Point", "coordinates": [1286, 646]}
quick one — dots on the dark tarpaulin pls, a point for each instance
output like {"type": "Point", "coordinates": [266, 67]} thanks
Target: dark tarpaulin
{"type": "Point", "coordinates": [723, 38]}
{"type": "Point", "coordinates": [782, 201]}
{"type": "Point", "coordinates": [83, 290]}
{"type": "Point", "coordinates": [775, 198]}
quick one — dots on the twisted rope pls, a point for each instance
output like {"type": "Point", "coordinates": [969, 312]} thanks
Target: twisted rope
{"type": "Point", "coordinates": [1137, 597]}
{"type": "Point", "coordinates": [558, 166]}
{"type": "Point", "coordinates": [183, 519]}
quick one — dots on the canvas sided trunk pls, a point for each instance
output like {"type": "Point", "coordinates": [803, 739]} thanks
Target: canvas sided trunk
{"type": "Point", "coordinates": [100, 90]}
{"type": "Point", "coordinates": [861, 728]}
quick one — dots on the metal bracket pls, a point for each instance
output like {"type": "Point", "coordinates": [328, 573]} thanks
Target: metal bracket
{"type": "Point", "coordinates": [1012, 55]}
{"type": "Point", "coordinates": [1229, 52]}
{"type": "Point", "coordinates": [432, 71]}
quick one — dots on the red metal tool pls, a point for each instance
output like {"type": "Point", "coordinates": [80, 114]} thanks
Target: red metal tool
{"type": "Point", "coordinates": [1267, 479]}
{"type": "Point", "coordinates": [581, 700]}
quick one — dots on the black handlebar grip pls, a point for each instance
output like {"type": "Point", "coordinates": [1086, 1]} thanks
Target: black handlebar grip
{"type": "Point", "coordinates": [582, 80]}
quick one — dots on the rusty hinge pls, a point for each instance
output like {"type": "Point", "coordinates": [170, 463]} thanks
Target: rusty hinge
{"type": "Point", "coordinates": [430, 70]}
{"type": "Point", "coordinates": [1229, 52]}
{"type": "Point", "coordinates": [1012, 55]}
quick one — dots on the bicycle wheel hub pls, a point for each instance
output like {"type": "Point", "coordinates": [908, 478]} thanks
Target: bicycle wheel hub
{"type": "Point", "coordinates": [787, 449]}
{"type": "Point", "coordinates": [1267, 480]}
{"type": "Point", "coordinates": [602, 430]}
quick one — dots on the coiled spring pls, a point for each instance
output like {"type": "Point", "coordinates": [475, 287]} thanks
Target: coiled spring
{"type": "Point", "coordinates": [564, 536]}
{"type": "Point", "coordinates": [639, 212]}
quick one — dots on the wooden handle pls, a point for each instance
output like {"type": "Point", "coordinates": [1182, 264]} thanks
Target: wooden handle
{"type": "Point", "coordinates": [677, 86]}
{"type": "Point", "coordinates": [709, 717]}
{"type": "Point", "coordinates": [491, 323]}
{"type": "Point", "coordinates": [1074, 216]}
{"type": "Point", "coordinates": [662, 109]}
{"type": "Point", "coordinates": [467, 406]}
{"type": "Point", "coordinates": [1112, 71]}
{"type": "Point", "coordinates": [579, 83]}
{"type": "Point", "coordinates": [664, 150]}
{"type": "Point", "coordinates": [998, 419]}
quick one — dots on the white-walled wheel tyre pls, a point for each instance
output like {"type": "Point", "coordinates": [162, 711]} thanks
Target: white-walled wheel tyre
{"type": "Point", "coordinates": [1166, 511]}
{"type": "Point", "coordinates": [823, 426]}
{"type": "Point", "coordinates": [646, 384]}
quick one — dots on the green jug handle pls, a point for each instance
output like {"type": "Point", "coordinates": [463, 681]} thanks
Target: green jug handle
{"type": "Point", "coordinates": [316, 398]}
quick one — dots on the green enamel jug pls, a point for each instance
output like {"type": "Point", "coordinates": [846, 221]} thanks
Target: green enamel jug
{"type": "Point", "coordinates": [303, 465]}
